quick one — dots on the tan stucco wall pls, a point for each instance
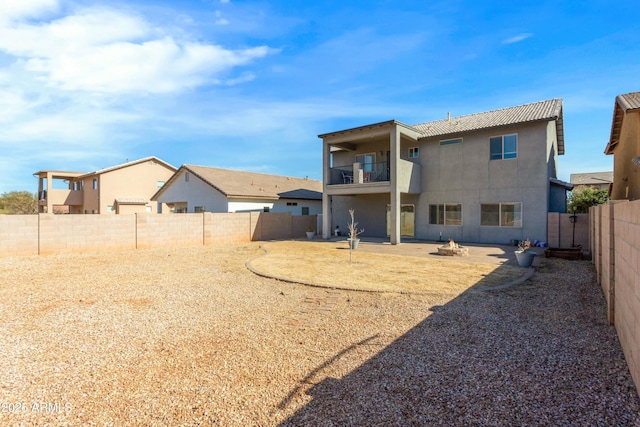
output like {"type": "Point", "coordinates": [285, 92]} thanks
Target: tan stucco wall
{"type": "Point", "coordinates": [138, 181]}
{"type": "Point", "coordinates": [626, 176]}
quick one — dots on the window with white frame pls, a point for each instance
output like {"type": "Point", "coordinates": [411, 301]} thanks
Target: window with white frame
{"type": "Point", "coordinates": [160, 184]}
{"type": "Point", "coordinates": [445, 214]}
{"type": "Point", "coordinates": [501, 214]}
{"type": "Point", "coordinates": [503, 147]}
{"type": "Point", "coordinates": [95, 183]}
{"type": "Point", "coordinates": [414, 152]}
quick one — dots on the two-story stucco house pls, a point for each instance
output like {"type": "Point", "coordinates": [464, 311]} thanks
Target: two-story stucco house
{"type": "Point", "coordinates": [624, 144]}
{"type": "Point", "coordinates": [207, 189]}
{"type": "Point", "coordinates": [489, 177]}
{"type": "Point", "coordinates": [124, 188]}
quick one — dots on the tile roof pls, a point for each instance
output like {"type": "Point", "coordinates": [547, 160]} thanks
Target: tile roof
{"type": "Point", "coordinates": [131, 163]}
{"type": "Point", "coordinates": [592, 178]}
{"type": "Point", "coordinates": [528, 113]}
{"type": "Point", "coordinates": [628, 102]}
{"type": "Point", "coordinates": [237, 184]}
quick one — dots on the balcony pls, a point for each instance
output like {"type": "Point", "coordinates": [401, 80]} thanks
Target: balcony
{"type": "Point", "coordinates": [374, 178]}
{"type": "Point", "coordinates": [61, 197]}
{"type": "Point", "coordinates": [371, 172]}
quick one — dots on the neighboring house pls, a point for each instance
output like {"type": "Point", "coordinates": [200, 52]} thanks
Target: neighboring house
{"type": "Point", "coordinates": [487, 177]}
{"type": "Point", "coordinates": [125, 188]}
{"type": "Point", "coordinates": [624, 144]}
{"type": "Point", "coordinates": [595, 180]}
{"type": "Point", "coordinates": [205, 189]}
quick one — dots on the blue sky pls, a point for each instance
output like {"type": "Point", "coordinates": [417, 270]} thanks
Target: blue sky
{"type": "Point", "coordinates": [247, 85]}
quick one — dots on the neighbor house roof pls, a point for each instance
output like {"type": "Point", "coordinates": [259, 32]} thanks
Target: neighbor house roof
{"type": "Point", "coordinates": [624, 103]}
{"type": "Point", "coordinates": [529, 113]}
{"type": "Point", "coordinates": [592, 178]}
{"type": "Point", "coordinates": [127, 164]}
{"type": "Point", "coordinates": [241, 184]}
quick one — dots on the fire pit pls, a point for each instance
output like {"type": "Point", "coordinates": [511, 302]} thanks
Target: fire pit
{"type": "Point", "coordinates": [453, 249]}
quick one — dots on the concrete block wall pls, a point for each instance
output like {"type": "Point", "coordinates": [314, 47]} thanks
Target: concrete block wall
{"type": "Point", "coordinates": [51, 234]}
{"type": "Point", "coordinates": [560, 233]}
{"type": "Point", "coordinates": [227, 228]}
{"type": "Point", "coordinates": [627, 282]}
{"type": "Point", "coordinates": [85, 233]}
{"type": "Point", "coordinates": [19, 235]}
{"type": "Point", "coordinates": [273, 226]}
{"type": "Point", "coordinates": [169, 230]}
{"type": "Point", "coordinates": [300, 224]}
{"type": "Point", "coordinates": [616, 256]}
{"type": "Point", "coordinates": [553, 229]}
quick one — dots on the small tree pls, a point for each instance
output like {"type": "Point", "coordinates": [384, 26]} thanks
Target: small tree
{"type": "Point", "coordinates": [582, 199]}
{"type": "Point", "coordinates": [353, 232]}
{"type": "Point", "coordinates": [353, 226]}
{"type": "Point", "coordinates": [18, 203]}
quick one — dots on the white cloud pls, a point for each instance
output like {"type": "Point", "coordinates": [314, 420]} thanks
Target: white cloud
{"type": "Point", "coordinates": [517, 38]}
{"type": "Point", "coordinates": [18, 9]}
{"type": "Point", "coordinates": [107, 51]}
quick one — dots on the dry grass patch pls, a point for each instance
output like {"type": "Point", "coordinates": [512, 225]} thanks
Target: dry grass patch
{"type": "Point", "coordinates": [327, 264]}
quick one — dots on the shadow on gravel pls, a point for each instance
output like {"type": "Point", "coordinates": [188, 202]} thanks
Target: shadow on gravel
{"type": "Point", "coordinates": [540, 353]}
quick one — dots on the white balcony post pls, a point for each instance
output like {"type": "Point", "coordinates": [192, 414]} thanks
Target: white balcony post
{"type": "Point", "coordinates": [358, 175]}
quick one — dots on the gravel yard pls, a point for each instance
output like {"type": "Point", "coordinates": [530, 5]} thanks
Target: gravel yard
{"type": "Point", "coordinates": [188, 336]}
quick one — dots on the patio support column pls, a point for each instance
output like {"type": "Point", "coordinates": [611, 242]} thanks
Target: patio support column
{"type": "Point", "coordinates": [49, 186]}
{"type": "Point", "coordinates": [394, 139]}
{"type": "Point", "coordinates": [326, 199]}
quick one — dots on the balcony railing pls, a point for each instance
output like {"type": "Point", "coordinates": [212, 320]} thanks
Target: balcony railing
{"type": "Point", "coordinates": [371, 172]}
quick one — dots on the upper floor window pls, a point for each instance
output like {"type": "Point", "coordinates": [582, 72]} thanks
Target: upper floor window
{"type": "Point", "coordinates": [95, 183]}
{"type": "Point", "coordinates": [199, 209]}
{"type": "Point", "coordinates": [186, 177]}
{"type": "Point", "coordinates": [414, 152]}
{"type": "Point", "coordinates": [160, 184]}
{"type": "Point", "coordinates": [503, 147]}
{"type": "Point", "coordinates": [451, 141]}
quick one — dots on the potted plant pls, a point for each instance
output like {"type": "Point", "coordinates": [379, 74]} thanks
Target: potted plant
{"type": "Point", "coordinates": [353, 231]}
{"type": "Point", "coordinates": [523, 255]}
{"type": "Point", "coordinates": [310, 233]}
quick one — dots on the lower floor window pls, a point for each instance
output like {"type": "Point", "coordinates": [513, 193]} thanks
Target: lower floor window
{"type": "Point", "coordinates": [445, 214]}
{"type": "Point", "coordinates": [501, 214]}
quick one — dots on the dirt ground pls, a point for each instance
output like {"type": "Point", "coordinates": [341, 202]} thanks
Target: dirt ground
{"type": "Point", "coordinates": [189, 336]}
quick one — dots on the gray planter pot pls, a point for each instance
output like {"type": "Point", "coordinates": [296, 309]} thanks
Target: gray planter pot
{"type": "Point", "coordinates": [310, 235]}
{"type": "Point", "coordinates": [525, 259]}
{"type": "Point", "coordinates": [353, 243]}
